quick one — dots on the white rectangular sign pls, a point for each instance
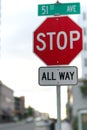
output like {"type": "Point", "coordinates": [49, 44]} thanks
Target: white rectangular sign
{"type": "Point", "coordinates": [63, 75]}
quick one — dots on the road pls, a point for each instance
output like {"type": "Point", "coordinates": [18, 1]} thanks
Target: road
{"type": "Point", "coordinates": [21, 126]}
{"type": "Point", "coordinates": [30, 126]}
{"type": "Point", "coordinates": [18, 126]}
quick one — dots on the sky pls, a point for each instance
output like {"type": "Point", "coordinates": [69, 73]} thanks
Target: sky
{"type": "Point", "coordinates": [18, 64]}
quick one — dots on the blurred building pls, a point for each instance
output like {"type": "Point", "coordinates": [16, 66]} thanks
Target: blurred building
{"type": "Point", "coordinates": [77, 95]}
{"type": "Point", "coordinates": [22, 105]}
{"type": "Point", "coordinates": [10, 106]}
{"type": "Point", "coordinates": [6, 103]}
{"type": "Point", "coordinates": [19, 103]}
{"type": "Point", "coordinates": [0, 27]}
{"type": "Point", "coordinates": [83, 23]}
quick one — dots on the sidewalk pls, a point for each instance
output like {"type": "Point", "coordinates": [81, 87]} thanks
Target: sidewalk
{"type": "Point", "coordinates": [42, 128]}
{"type": "Point", "coordinates": [65, 126]}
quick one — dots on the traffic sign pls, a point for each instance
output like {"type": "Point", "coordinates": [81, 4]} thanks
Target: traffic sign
{"type": "Point", "coordinates": [58, 40]}
{"type": "Point", "coordinates": [63, 75]}
{"type": "Point", "coordinates": [58, 9]}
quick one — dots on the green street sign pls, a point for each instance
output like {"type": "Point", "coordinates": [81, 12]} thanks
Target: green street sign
{"type": "Point", "coordinates": [58, 9]}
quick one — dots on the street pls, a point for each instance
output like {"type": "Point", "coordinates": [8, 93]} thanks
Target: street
{"type": "Point", "coordinates": [22, 126]}
{"type": "Point", "coordinates": [30, 126]}
{"type": "Point", "coordinates": [17, 126]}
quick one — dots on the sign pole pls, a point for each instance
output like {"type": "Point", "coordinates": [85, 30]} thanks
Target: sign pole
{"type": "Point", "coordinates": [58, 108]}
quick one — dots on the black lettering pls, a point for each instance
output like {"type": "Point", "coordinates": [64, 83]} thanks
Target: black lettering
{"type": "Point", "coordinates": [67, 76]}
{"type": "Point", "coordinates": [72, 73]}
{"type": "Point", "coordinates": [53, 76]}
{"type": "Point", "coordinates": [44, 76]}
{"type": "Point", "coordinates": [61, 74]}
{"type": "Point", "coordinates": [48, 76]}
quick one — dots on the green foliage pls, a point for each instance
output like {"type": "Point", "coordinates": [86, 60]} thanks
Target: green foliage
{"type": "Point", "coordinates": [84, 88]}
{"type": "Point", "coordinates": [30, 111]}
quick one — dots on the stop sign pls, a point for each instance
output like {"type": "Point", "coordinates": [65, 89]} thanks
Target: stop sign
{"type": "Point", "coordinates": [57, 40]}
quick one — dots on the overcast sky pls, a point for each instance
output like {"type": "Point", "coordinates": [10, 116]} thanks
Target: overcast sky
{"type": "Point", "coordinates": [18, 64]}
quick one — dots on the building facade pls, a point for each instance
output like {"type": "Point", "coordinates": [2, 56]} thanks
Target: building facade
{"type": "Point", "coordinates": [80, 101]}
{"type": "Point", "coordinates": [6, 102]}
{"type": "Point", "coordinates": [78, 92]}
{"type": "Point", "coordinates": [0, 27]}
{"type": "Point", "coordinates": [22, 105]}
{"type": "Point", "coordinates": [79, 98]}
{"type": "Point", "coordinates": [19, 104]}
{"type": "Point", "coordinates": [83, 23]}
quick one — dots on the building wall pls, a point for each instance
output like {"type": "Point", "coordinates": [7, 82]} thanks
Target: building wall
{"type": "Point", "coordinates": [22, 104]}
{"type": "Point", "coordinates": [79, 100]}
{"type": "Point", "coordinates": [83, 23]}
{"type": "Point", "coordinates": [0, 27]}
{"type": "Point", "coordinates": [19, 105]}
{"type": "Point", "coordinates": [6, 99]}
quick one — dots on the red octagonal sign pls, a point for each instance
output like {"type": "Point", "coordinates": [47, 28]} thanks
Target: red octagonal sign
{"type": "Point", "coordinates": [57, 40]}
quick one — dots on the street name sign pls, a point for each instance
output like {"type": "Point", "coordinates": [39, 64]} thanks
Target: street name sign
{"type": "Point", "coordinates": [63, 75]}
{"type": "Point", "coordinates": [58, 40]}
{"type": "Point", "coordinates": [58, 9]}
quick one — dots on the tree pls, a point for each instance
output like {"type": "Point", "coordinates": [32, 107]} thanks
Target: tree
{"type": "Point", "coordinates": [30, 111]}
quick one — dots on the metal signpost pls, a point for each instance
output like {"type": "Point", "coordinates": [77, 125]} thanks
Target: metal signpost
{"type": "Point", "coordinates": [58, 9]}
{"type": "Point", "coordinates": [58, 108]}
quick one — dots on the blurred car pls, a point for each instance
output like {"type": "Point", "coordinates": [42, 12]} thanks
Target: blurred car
{"type": "Point", "coordinates": [15, 119]}
{"type": "Point", "coordinates": [29, 119]}
{"type": "Point", "coordinates": [37, 119]}
{"type": "Point", "coordinates": [42, 123]}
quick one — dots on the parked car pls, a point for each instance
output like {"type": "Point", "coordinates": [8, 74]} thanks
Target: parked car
{"type": "Point", "coordinates": [15, 119]}
{"type": "Point", "coordinates": [29, 119]}
{"type": "Point", "coordinates": [37, 119]}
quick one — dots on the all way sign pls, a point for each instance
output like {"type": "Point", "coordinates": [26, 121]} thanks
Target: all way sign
{"type": "Point", "coordinates": [63, 75]}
